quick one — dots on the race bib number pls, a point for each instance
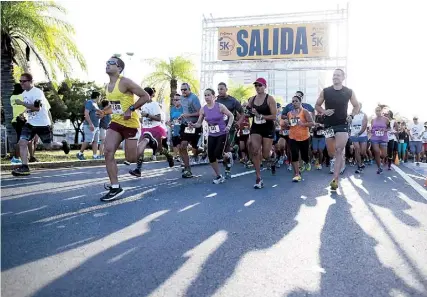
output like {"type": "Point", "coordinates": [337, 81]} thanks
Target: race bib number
{"type": "Point", "coordinates": [116, 107]}
{"type": "Point", "coordinates": [176, 122]}
{"type": "Point", "coordinates": [329, 133]}
{"type": "Point", "coordinates": [147, 122]}
{"type": "Point", "coordinates": [379, 133]}
{"type": "Point", "coordinates": [284, 132]}
{"type": "Point", "coordinates": [294, 122]}
{"type": "Point", "coordinates": [356, 130]}
{"type": "Point", "coordinates": [259, 121]}
{"type": "Point", "coordinates": [214, 129]}
{"type": "Point", "coordinates": [189, 130]}
{"type": "Point", "coordinates": [320, 132]}
{"type": "Point", "coordinates": [246, 132]}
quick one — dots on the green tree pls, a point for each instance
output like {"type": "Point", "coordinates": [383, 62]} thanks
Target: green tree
{"type": "Point", "coordinates": [75, 93]}
{"type": "Point", "coordinates": [241, 92]}
{"type": "Point", "coordinates": [58, 109]}
{"type": "Point", "coordinates": [168, 73]}
{"type": "Point", "coordinates": [32, 28]}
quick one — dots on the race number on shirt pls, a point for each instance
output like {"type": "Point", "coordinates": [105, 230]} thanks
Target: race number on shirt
{"type": "Point", "coordinates": [379, 133]}
{"type": "Point", "coordinates": [189, 130]}
{"type": "Point", "coordinates": [320, 132]}
{"type": "Point", "coordinates": [246, 131]}
{"type": "Point", "coordinates": [176, 122]}
{"type": "Point", "coordinates": [329, 133]}
{"type": "Point", "coordinates": [294, 122]}
{"type": "Point", "coordinates": [284, 132]}
{"type": "Point", "coordinates": [214, 129]}
{"type": "Point", "coordinates": [116, 107]}
{"type": "Point", "coordinates": [259, 121]}
{"type": "Point", "coordinates": [147, 122]}
{"type": "Point", "coordinates": [356, 130]}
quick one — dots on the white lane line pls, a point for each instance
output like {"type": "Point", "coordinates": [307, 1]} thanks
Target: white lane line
{"type": "Point", "coordinates": [31, 210]}
{"type": "Point", "coordinates": [411, 182]}
{"type": "Point", "coordinates": [75, 197]}
{"type": "Point", "coordinates": [249, 203]}
{"type": "Point", "coordinates": [189, 207]}
{"type": "Point", "coordinates": [6, 213]}
{"type": "Point", "coordinates": [244, 173]}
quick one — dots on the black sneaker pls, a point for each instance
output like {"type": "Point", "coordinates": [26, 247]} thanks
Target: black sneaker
{"type": "Point", "coordinates": [136, 172]}
{"type": "Point", "coordinates": [273, 169]}
{"type": "Point", "coordinates": [65, 147]}
{"type": "Point", "coordinates": [112, 194]}
{"type": "Point", "coordinates": [22, 170]}
{"type": "Point", "coordinates": [33, 159]}
{"type": "Point", "coordinates": [359, 170]}
{"type": "Point", "coordinates": [170, 160]}
{"type": "Point", "coordinates": [187, 174]}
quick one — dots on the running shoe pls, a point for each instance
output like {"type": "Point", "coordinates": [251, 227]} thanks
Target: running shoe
{"type": "Point", "coordinates": [227, 174]}
{"type": "Point", "coordinates": [136, 172]}
{"type": "Point", "coordinates": [169, 158]}
{"type": "Point", "coordinates": [187, 174]}
{"type": "Point", "coordinates": [289, 167]}
{"type": "Point", "coordinates": [153, 158]}
{"type": "Point", "coordinates": [16, 161]}
{"type": "Point", "coordinates": [308, 167]}
{"type": "Point", "coordinates": [302, 168]}
{"type": "Point", "coordinates": [319, 167]}
{"type": "Point", "coordinates": [126, 163]}
{"type": "Point", "coordinates": [33, 159]}
{"type": "Point", "coordinates": [281, 160]}
{"type": "Point", "coordinates": [333, 185]}
{"type": "Point", "coordinates": [380, 170]}
{"type": "Point", "coordinates": [359, 170]}
{"type": "Point", "coordinates": [112, 194]}
{"type": "Point", "coordinates": [219, 180]}
{"type": "Point", "coordinates": [273, 168]}
{"type": "Point", "coordinates": [418, 163]}
{"type": "Point", "coordinates": [259, 184]}
{"type": "Point", "coordinates": [297, 178]}
{"type": "Point", "coordinates": [23, 170]}
{"type": "Point", "coordinates": [65, 147]}
{"type": "Point", "coordinates": [81, 157]}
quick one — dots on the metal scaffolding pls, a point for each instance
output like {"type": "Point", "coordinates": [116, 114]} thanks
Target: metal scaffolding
{"type": "Point", "coordinates": [210, 65]}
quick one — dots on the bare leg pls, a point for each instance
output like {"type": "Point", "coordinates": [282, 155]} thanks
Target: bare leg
{"type": "Point", "coordinates": [255, 149]}
{"type": "Point", "coordinates": [95, 147]}
{"type": "Point", "coordinates": [112, 142]}
{"type": "Point", "coordinates": [84, 147]}
{"type": "Point", "coordinates": [341, 139]}
{"type": "Point", "coordinates": [184, 153]}
{"type": "Point", "coordinates": [377, 154]}
{"type": "Point", "coordinates": [215, 167]}
{"type": "Point", "coordinates": [357, 153]}
{"type": "Point", "coordinates": [23, 150]}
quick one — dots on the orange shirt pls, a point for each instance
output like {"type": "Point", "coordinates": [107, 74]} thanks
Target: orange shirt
{"type": "Point", "coordinates": [296, 132]}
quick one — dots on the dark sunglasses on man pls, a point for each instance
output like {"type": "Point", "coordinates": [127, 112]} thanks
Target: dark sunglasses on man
{"type": "Point", "coordinates": [110, 62]}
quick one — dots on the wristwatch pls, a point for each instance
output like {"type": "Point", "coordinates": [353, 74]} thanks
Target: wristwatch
{"type": "Point", "coordinates": [132, 108]}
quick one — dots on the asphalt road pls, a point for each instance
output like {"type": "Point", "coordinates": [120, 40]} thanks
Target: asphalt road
{"type": "Point", "coordinates": [173, 237]}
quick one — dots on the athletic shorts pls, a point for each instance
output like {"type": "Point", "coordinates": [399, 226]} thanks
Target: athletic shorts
{"type": "Point", "coordinates": [336, 129]}
{"type": "Point", "coordinates": [380, 142]}
{"type": "Point", "coordinates": [318, 143]}
{"type": "Point", "coordinates": [425, 147]}
{"type": "Point", "coordinates": [191, 138]}
{"type": "Point", "coordinates": [176, 140]}
{"type": "Point", "coordinates": [44, 132]}
{"type": "Point", "coordinates": [216, 147]}
{"type": "Point", "coordinates": [158, 132]}
{"type": "Point", "coordinates": [18, 126]}
{"type": "Point", "coordinates": [359, 139]}
{"type": "Point", "coordinates": [415, 147]}
{"type": "Point", "coordinates": [125, 132]}
{"type": "Point", "coordinates": [265, 130]}
{"type": "Point", "coordinates": [91, 136]}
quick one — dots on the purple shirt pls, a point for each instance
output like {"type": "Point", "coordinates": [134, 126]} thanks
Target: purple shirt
{"type": "Point", "coordinates": [215, 119]}
{"type": "Point", "coordinates": [379, 130]}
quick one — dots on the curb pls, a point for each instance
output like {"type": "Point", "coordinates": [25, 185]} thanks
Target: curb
{"type": "Point", "coordinates": [67, 164]}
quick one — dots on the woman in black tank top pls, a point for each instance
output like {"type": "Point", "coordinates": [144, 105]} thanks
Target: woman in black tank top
{"type": "Point", "coordinates": [263, 109]}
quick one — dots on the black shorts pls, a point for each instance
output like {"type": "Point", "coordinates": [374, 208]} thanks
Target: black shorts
{"type": "Point", "coordinates": [265, 130]}
{"type": "Point", "coordinates": [338, 128]}
{"type": "Point", "coordinates": [44, 132]}
{"type": "Point", "coordinates": [191, 138]}
{"type": "Point", "coordinates": [18, 126]}
{"type": "Point", "coordinates": [176, 140]}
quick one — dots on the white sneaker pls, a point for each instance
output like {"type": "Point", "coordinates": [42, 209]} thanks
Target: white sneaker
{"type": "Point", "coordinates": [219, 180]}
{"type": "Point", "coordinates": [153, 158]}
{"type": "Point", "coordinates": [281, 160]}
{"type": "Point", "coordinates": [230, 158]}
{"type": "Point", "coordinates": [259, 185]}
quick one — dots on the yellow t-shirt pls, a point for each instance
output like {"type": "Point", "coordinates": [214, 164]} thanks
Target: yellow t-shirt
{"type": "Point", "coordinates": [120, 103]}
{"type": "Point", "coordinates": [17, 109]}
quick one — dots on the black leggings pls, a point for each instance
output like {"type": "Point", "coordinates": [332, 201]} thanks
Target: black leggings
{"type": "Point", "coordinates": [216, 146]}
{"type": "Point", "coordinates": [297, 147]}
{"type": "Point", "coordinates": [392, 149]}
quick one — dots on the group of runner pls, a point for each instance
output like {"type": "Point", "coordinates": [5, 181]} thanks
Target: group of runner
{"type": "Point", "coordinates": [259, 130]}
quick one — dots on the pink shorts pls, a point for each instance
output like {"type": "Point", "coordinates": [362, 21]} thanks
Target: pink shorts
{"type": "Point", "coordinates": [157, 132]}
{"type": "Point", "coordinates": [425, 147]}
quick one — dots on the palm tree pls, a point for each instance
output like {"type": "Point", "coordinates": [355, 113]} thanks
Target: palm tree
{"type": "Point", "coordinates": [32, 29]}
{"type": "Point", "coordinates": [172, 71]}
{"type": "Point", "coordinates": [241, 92]}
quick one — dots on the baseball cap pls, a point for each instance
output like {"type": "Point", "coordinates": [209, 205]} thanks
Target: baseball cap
{"type": "Point", "coordinates": [261, 80]}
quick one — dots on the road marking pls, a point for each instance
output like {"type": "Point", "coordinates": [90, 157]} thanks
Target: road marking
{"type": "Point", "coordinates": [31, 210]}
{"type": "Point", "coordinates": [211, 195]}
{"type": "Point", "coordinates": [188, 207]}
{"type": "Point", "coordinates": [249, 203]}
{"type": "Point", "coordinates": [411, 182]}
{"type": "Point", "coordinates": [75, 197]}
{"type": "Point", "coordinates": [244, 173]}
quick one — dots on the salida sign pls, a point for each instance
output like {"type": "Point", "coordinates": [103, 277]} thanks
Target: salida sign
{"type": "Point", "coordinates": [273, 42]}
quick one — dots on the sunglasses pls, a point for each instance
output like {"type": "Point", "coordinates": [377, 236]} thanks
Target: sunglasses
{"type": "Point", "coordinates": [176, 99]}
{"type": "Point", "coordinates": [23, 81]}
{"type": "Point", "coordinates": [258, 85]}
{"type": "Point", "coordinates": [184, 90]}
{"type": "Point", "coordinates": [112, 63]}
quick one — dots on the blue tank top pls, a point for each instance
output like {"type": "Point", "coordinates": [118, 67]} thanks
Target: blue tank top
{"type": "Point", "coordinates": [215, 119]}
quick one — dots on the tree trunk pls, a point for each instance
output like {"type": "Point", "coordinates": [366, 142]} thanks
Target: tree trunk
{"type": "Point", "coordinates": [174, 87]}
{"type": "Point", "coordinates": [7, 82]}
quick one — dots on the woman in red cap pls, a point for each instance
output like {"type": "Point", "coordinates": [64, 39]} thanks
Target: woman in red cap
{"type": "Point", "coordinates": [263, 108]}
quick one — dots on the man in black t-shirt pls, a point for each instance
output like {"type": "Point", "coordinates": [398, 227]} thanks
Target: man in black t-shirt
{"type": "Point", "coordinates": [336, 98]}
{"type": "Point", "coordinates": [234, 106]}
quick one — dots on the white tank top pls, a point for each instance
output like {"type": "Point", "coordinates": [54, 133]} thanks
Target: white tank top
{"type": "Point", "coordinates": [356, 125]}
{"type": "Point", "coordinates": [390, 135]}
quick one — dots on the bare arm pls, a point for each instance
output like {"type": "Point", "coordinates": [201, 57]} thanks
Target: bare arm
{"type": "Point", "coordinates": [319, 103]}
{"type": "Point", "coordinates": [355, 103]}
{"type": "Point", "coordinates": [133, 88]}
{"type": "Point", "coordinates": [308, 118]}
{"type": "Point", "coordinates": [31, 107]}
{"type": "Point", "coordinates": [87, 117]}
{"type": "Point", "coordinates": [364, 124]}
{"type": "Point", "coordinates": [200, 120]}
{"type": "Point", "coordinates": [225, 111]}
{"type": "Point", "coordinates": [273, 109]}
